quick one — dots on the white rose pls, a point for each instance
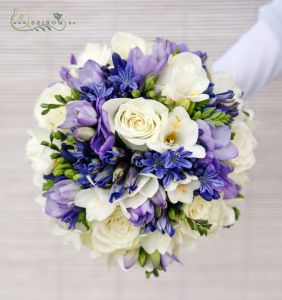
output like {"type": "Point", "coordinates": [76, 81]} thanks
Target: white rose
{"type": "Point", "coordinates": [183, 77]}
{"type": "Point", "coordinates": [179, 131]}
{"type": "Point", "coordinates": [96, 203]}
{"type": "Point", "coordinates": [137, 121]}
{"type": "Point", "coordinates": [41, 162]}
{"type": "Point", "coordinates": [216, 212]}
{"type": "Point", "coordinates": [55, 116]}
{"type": "Point", "coordinates": [97, 52]}
{"type": "Point", "coordinates": [116, 233]}
{"type": "Point", "coordinates": [245, 142]}
{"type": "Point", "coordinates": [122, 42]}
{"type": "Point", "coordinates": [198, 209]}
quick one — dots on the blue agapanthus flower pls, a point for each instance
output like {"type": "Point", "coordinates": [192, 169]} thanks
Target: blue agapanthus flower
{"type": "Point", "coordinates": [168, 166]}
{"type": "Point", "coordinates": [126, 78]}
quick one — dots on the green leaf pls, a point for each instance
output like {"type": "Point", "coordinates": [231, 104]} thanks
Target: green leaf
{"type": "Point", "coordinates": [150, 83]}
{"type": "Point", "coordinates": [50, 105]}
{"type": "Point", "coordinates": [176, 51]}
{"type": "Point", "coordinates": [54, 147]}
{"type": "Point", "coordinates": [207, 112]}
{"type": "Point", "coordinates": [45, 112]}
{"type": "Point", "coordinates": [202, 226]}
{"type": "Point", "coordinates": [237, 213]}
{"type": "Point", "coordinates": [233, 134]}
{"type": "Point", "coordinates": [60, 99]}
{"type": "Point", "coordinates": [55, 155]}
{"type": "Point", "coordinates": [240, 196]}
{"type": "Point", "coordinates": [45, 143]}
{"type": "Point", "coordinates": [75, 94]}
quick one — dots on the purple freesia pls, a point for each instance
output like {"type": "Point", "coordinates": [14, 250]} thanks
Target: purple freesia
{"type": "Point", "coordinates": [159, 199]}
{"type": "Point", "coordinates": [143, 214]}
{"type": "Point", "coordinates": [167, 259]}
{"type": "Point", "coordinates": [90, 73]}
{"type": "Point", "coordinates": [60, 199]}
{"type": "Point", "coordinates": [217, 141]}
{"type": "Point", "coordinates": [79, 113]}
{"type": "Point", "coordinates": [146, 64]}
{"type": "Point", "coordinates": [103, 140]}
{"type": "Point", "coordinates": [229, 189]}
{"type": "Point", "coordinates": [164, 47]}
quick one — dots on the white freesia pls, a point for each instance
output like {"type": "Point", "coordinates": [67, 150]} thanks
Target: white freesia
{"type": "Point", "coordinates": [137, 121]}
{"type": "Point", "coordinates": [68, 236]}
{"type": "Point", "coordinates": [96, 203]}
{"type": "Point", "coordinates": [100, 53]}
{"type": "Point", "coordinates": [147, 188]}
{"type": "Point", "coordinates": [116, 233]}
{"type": "Point", "coordinates": [183, 77]}
{"type": "Point", "coordinates": [183, 190]}
{"type": "Point", "coordinates": [156, 241]}
{"type": "Point", "coordinates": [123, 42]}
{"type": "Point", "coordinates": [179, 131]}
{"type": "Point", "coordinates": [224, 82]}
{"type": "Point", "coordinates": [55, 116]}
{"type": "Point", "coordinates": [41, 162]}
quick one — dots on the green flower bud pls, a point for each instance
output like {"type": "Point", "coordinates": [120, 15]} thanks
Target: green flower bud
{"type": "Point", "coordinates": [155, 258]}
{"type": "Point", "coordinates": [135, 93]}
{"type": "Point", "coordinates": [70, 140]}
{"type": "Point", "coordinates": [171, 214]}
{"type": "Point", "coordinates": [181, 215]}
{"type": "Point", "coordinates": [84, 134]}
{"type": "Point", "coordinates": [151, 94]}
{"type": "Point", "coordinates": [76, 177]}
{"type": "Point", "coordinates": [58, 172]}
{"type": "Point", "coordinates": [142, 257]}
{"type": "Point", "coordinates": [69, 173]}
{"type": "Point", "coordinates": [150, 83]}
{"type": "Point", "coordinates": [185, 103]}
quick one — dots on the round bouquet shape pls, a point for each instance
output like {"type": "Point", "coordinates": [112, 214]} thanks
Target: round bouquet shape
{"type": "Point", "coordinates": [140, 151]}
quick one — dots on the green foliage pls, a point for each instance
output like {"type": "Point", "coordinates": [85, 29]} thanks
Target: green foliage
{"type": "Point", "coordinates": [202, 226]}
{"type": "Point", "coordinates": [50, 145]}
{"type": "Point", "coordinates": [237, 213]}
{"type": "Point", "coordinates": [233, 134]}
{"type": "Point", "coordinates": [75, 95]}
{"type": "Point", "coordinates": [211, 116]}
{"type": "Point", "coordinates": [176, 51]}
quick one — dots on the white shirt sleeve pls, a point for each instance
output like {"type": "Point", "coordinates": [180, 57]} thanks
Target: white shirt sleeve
{"type": "Point", "coordinates": [256, 58]}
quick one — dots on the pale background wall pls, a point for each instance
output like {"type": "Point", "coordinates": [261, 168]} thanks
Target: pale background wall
{"type": "Point", "coordinates": [243, 263]}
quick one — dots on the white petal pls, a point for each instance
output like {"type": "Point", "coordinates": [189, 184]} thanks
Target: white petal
{"type": "Point", "coordinates": [96, 202]}
{"type": "Point", "coordinates": [156, 241]}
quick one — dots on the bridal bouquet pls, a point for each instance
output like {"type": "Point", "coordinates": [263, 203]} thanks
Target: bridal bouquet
{"type": "Point", "coordinates": [140, 151]}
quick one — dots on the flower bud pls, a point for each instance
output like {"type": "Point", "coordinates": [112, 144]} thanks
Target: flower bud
{"type": "Point", "coordinates": [155, 258]}
{"type": "Point", "coordinates": [120, 171]}
{"type": "Point", "coordinates": [69, 173]}
{"type": "Point", "coordinates": [84, 134]}
{"type": "Point", "coordinates": [142, 257]}
{"type": "Point", "coordinates": [185, 103]}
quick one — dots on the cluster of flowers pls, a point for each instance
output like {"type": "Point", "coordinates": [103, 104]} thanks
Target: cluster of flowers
{"type": "Point", "coordinates": [139, 150]}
